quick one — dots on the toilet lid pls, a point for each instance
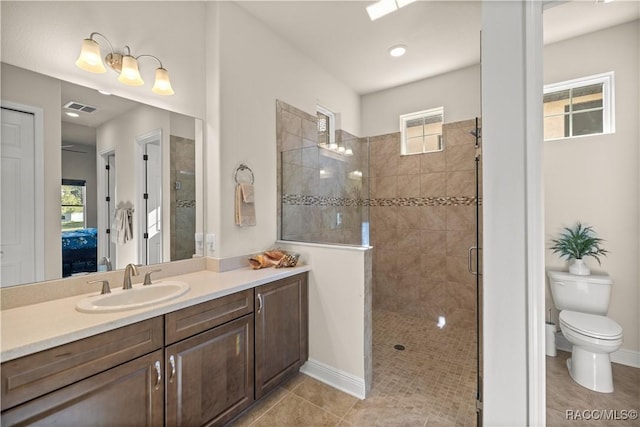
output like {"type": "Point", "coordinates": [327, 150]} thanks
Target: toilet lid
{"type": "Point", "coordinates": [591, 325]}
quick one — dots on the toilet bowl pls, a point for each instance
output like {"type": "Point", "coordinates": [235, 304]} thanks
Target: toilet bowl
{"type": "Point", "coordinates": [593, 338]}
{"type": "Point", "coordinates": [583, 302]}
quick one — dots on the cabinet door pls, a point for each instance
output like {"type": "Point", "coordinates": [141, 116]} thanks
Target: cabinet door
{"type": "Point", "coordinates": [131, 394]}
{"type": "Point", "coordinates": [281, 331]}
{"type": "Point", "coordinates": [210, 376]}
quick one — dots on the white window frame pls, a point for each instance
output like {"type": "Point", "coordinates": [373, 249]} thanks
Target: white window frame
{"type": "Point", "coordinates": [332, 122]}
{"type": "Point", "coordinates": [438, 111]}
{"type": "Point", "coordinates": [608, 99]}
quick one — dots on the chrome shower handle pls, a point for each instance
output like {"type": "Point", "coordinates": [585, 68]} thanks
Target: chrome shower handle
{"type": "Point", "coordinates": [470, 259]}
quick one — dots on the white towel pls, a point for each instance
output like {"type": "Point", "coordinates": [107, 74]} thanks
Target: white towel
{"type": "Point", "coordinates": [123, 225]}
{"type": "Point", "coordinates": [244, 203]}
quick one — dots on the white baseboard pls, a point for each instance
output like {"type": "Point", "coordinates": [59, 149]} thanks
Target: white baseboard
{"type": "Point", "coordinates": [622, 356]}
{"type": "Point", "coordinates": [329, 375]}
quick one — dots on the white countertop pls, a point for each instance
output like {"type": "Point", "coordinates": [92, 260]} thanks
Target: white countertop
{"type": "Point", "coordinates": [37, 327]}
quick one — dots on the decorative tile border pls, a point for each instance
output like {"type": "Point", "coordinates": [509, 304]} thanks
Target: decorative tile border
{"type": "Point", "coordinates": [302, 200]}
{"type": "Point", "coordinates": [425, 201]}
{"type": "Point", "coordinates": [185, 203]}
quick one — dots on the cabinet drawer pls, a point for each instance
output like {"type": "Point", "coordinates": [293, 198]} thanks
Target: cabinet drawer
{"type": "Point", "coordinates": [199, 318]}
{"type": "Point", "coordinates": [131, 394]}
{"type": "Point", "coordinates": [32, 376]}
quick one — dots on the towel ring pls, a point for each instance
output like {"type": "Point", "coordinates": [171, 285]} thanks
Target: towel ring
{"type": "Point", "coordinates": [242, 168]}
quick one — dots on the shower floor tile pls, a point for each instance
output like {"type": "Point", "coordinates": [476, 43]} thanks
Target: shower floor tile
{"type": "Point", "coordinates": [430, 383]}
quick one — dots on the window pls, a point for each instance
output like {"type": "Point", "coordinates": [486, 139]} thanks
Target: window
{"type": "Point", "coordinates": [72, 202]}
{"type": "Point", "coordinates": [421, 132]}
{"type": "Point", "coordinates": [326, 126]}
{"type": "Point", "coordinates": [579, 107]}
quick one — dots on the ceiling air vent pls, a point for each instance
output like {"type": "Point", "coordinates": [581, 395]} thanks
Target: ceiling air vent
{"type": "Point", "coordinates": [76, 106]}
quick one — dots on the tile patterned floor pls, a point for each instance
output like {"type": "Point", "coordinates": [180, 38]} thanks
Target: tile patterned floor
{"type": "Point", "coordinates": [430, 383]}
{"type": "Point", "coordinates": [565, 397]}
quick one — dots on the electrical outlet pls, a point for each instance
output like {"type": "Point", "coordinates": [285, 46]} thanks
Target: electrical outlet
{"type": "Point", "coordinates": [199, 238]}
{"type": "Point", "coordinates": [211, 242]}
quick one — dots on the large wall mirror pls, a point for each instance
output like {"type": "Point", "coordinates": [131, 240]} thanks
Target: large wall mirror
{"type": "Point", "coordinates": [91, 181]}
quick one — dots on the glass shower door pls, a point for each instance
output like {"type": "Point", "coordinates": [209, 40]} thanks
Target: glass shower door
{"type": "Point", "coordinates": [475, 258]}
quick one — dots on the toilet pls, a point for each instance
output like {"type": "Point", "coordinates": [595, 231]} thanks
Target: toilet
{"type": "Point", "coordinates": [583, 302]}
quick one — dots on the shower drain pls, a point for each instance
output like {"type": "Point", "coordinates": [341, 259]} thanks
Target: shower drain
{"type": "Point", "coordinates": [399, 347]}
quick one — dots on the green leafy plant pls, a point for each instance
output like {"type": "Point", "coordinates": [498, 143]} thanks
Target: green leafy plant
{"type": "Point", "coordinates": [577, 243]}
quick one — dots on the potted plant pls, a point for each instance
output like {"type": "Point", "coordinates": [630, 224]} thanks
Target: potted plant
{"type": "Point", "coordinates": [575, 244]}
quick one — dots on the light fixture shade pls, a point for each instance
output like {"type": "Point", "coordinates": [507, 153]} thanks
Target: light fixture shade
{"type": "Point", "coordinates": [90, 58]}
{"type": "Point", "coordinates": [162, 85]}
{"type": "Point", "coordinates": [130, 75]}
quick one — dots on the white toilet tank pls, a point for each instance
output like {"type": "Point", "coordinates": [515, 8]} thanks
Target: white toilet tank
{"type": "Point", "coordinates": [585, 294]}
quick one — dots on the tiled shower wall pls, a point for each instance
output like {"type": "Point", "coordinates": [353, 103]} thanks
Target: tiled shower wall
{"type": "Point", "coordinates": [183, 197]}
{"type": "Point", "coordinates": [422, 225]}
{"type": "Point", "coordinates": [321, 193]}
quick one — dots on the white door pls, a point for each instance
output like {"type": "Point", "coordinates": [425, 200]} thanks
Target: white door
{"type": "Point", "coordinates": [111, 207]}
{"type": "Point", "coordinates": [150, 197]}
{"type": "Point", "coordinates": [107, 207]}
{"type": "Point", "coordinates": [154, 203]}
{"type": "Point", "coordinates": [17, 235]}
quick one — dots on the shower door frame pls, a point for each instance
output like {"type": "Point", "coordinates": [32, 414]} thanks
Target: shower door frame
{"type": "Point", "coordinates": [477, 272]}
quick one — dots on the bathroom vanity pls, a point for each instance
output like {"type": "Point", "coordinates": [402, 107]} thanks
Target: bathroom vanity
{"type": "Point", "coordinates": [201, 360]}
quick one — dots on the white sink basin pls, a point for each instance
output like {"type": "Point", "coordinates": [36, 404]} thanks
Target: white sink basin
{"type": "Point", "coordinates": [138, 296]}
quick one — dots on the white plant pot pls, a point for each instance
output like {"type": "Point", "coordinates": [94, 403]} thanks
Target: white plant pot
{"type": "Point", "coordinates": [579, 268]}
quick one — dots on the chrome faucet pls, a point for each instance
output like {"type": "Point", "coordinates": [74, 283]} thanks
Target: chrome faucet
{"type": "Point", "coordinates": [129, 270]}
{"type": "Point", "coordinates": [107, 263]}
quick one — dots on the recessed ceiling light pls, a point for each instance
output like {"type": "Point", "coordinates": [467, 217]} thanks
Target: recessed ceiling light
{"type": "Point", "coordinates": [397, 50]}
{"type": "Point", "coordinates": [72, 114]}
{"type": "Point", "coordinates": [104, 92]}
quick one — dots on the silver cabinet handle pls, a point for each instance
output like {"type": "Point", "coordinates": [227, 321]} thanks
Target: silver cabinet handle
{"type": "Point", "coordinates": [158, 373]}
{"type": "Point", "coordinates": [172, 363]}
{"type": "Point", "coordinates": [259, 303]}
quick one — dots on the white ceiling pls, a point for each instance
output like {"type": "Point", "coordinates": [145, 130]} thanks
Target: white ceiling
{"type": "Point", "coordinates": [81, 130]}
{"type": "Point", "coordinates": [441, 35]}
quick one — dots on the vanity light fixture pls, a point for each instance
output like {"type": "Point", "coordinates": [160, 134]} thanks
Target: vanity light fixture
{"type": "Point", "coordinates": [398, 50]}
{"type": "Point", "coordinates": [385, 7]}
{"type": "Point", "coordinates": [90, 59]}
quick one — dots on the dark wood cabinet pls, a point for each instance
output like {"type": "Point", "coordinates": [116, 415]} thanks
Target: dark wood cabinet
{"type": "Point", "coordinates": [281, 317]}
{"type": "Point", "coordinates": [131, 394]}
{"type": "Point", "coordinates": [198, 366]}
{"type": "Point", "coordinates": [37, 374]}
{"type": "Point", "coordinates": [209, 376]}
